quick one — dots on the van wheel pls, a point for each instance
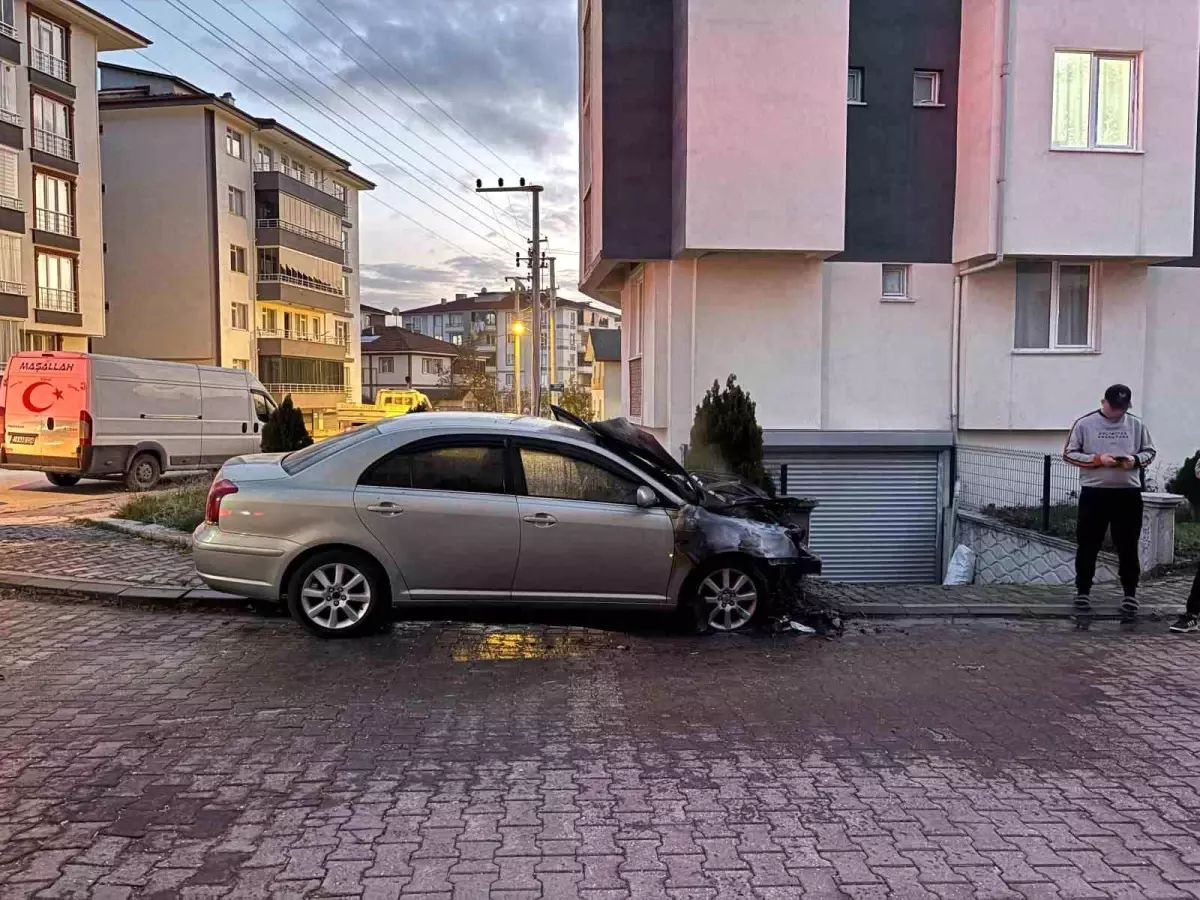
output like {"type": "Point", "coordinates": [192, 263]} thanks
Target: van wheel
{"type": "Point", "coordinates": [338, 593]}
{"type": "Point", "coordinates": [143, 473]}
{"type": "Point", "coordinates": [59, 480]}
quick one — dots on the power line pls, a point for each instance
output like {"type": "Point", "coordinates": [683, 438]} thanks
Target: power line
{"type": "Point", "coordinates": [386, 130]}
{"type": "Point", "coordinates": [295, 90]}
{"type": "Point", "coordinates": [411, 84]}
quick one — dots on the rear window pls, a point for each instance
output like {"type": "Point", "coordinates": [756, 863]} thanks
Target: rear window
{"type": "Point", "coordinates": [299, 460]}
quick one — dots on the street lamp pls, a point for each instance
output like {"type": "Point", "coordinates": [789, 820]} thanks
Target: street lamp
{"type": "Point", "coordinates": [517, 329]}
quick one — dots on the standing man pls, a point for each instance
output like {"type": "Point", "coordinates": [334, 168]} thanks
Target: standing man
{"type": "Point", "coordinates": [1111, 447]}
{"type": "Point", "coordinates": [1189, 622]}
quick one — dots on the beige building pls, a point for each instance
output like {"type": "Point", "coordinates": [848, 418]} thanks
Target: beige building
{"type": "Point", "coordinates": [51, 234]}
{"type": "Point", "coordinates": [232, 240]}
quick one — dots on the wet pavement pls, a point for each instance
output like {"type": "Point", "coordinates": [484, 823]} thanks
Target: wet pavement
{"type": "Point", "coordinates": [196, 754]}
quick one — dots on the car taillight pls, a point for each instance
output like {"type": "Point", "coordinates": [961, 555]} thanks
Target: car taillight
{"type": "Point", "coordinates": [85, 430]}
{"type": "Point", "coordinates": [2, 435]}
{"type": "Point", "coordinates": [220, 489]}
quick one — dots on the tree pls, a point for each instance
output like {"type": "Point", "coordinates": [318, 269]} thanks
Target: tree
{"type": "Point", "coordinates": [577, 399]}
{"type": "Point", "coordinates": [468, 371]}
{"type": "Point", "coordinates": [1186, 483]}
{"type": "Point", "coordinates": [285, 430]}
{"type": "Point", "coordinates": [725, 434]}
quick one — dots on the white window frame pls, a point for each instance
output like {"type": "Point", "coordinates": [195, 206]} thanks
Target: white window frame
{"type": "Point", "coordinates": [10, 179]}
{"type": "Point", "coordinates": [237, 259]}
{"type": "Point", "coordinates": [49, 39]}
{"type": "Point", "coordinates": [855, 81]}
{"type": "Point", "coordinates": [11, 252]}
{"type": "Point", "coordinates": [1135, 104]}
{"type": "Point", "coordinates": [9, 110]}
{"type": "Point", "coordinates": [905, 294]}
{"type": "Point", "coordinates": [237, 208]}
{"type": "Point", "coordinates": [387, 365]}
{"type": "Point", "coordinates": [235, 140]}
{"type": "Point", "coordinates": [1093, 312]}
{"type": "Point", "coordinates": [936, 78]}
{"type": "Point", "coordinates": [8, 18]}
{"type": "Point", "coordinates": [239, 316]}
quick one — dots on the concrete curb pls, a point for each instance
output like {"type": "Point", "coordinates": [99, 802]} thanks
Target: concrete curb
{"type": "Point", "coordinates": [122, 593]}
{"type": "Point", "coordinates": [982, 611]}
{"type": "Point", "coordinates": [158, 533]}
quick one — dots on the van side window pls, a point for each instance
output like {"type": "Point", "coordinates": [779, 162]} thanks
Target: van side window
{"type": "Point", "coordinates": [262, 406]}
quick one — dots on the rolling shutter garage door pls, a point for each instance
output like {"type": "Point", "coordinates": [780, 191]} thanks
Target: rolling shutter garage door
{"type": "Point", "coordinates": [878, 518]}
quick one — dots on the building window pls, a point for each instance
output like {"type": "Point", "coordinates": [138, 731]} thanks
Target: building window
{"type": "Point", "coordinates": [9, 190]}
{"type": "Point", "coordinates": [237, 201]}
{"type": "Point", "coordinates": [927, 88]}
{"type": "Point", "coordinates": [240, 318]}
{"type": "Point", "coordinates": [8, 94]}
{"type": "Point", "coordinates": [387, 365]}
{"type": "Point", "coordinates": [48, 42]}
{"type": "Point", "coordinates": [56, 283]}
{"type": "Point", "coordinates": [52, 127]}
{"type": "Point", "coordinates": [41, 342]}
{"type": "Point", "coordinates": [431, 366]}
{"type": "Point", "coordinates": [854, 87]}
{"type": "Point", "coordinates": [1055, 306]}
{"type": "Point", "coordinates": [1095, 101]}
{"type": "Point", "coordinates": [52, 198]}
{"type": "Point", "coordinates": [10, 264]}
{"type": "Point", "coordinates": [269, 321]}
{"type": "Point", "coordinates": [237, 258]}
{"type": "Point", "coordinates": [341, 332]}
{"type": "Point", "coordinates": [456, 340]}
{"type": "Point", "coordinates": [234, 145]}
{"type": "Point", "coordinates": [508, 380]}
{"type": "Point", "coordinates": [8, 18]}
{"type": "Point", "coordinates": [240, 364]}
{"type": "Point", "coordinates": [895, 282]}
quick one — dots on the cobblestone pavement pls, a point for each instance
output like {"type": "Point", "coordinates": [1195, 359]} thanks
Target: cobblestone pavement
{"type": "Point", "coordinates": [93, 554]}
{"type": "Point", "coordinates": [201, 755]}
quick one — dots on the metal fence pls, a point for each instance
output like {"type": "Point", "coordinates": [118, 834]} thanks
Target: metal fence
{"type": "Point", "coordinates": [1018, 484]}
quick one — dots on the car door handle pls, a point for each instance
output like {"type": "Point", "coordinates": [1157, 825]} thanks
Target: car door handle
{"type": "Point", "coordinates": [542, 520]}
{"type": "Point", "coordinates": [385, 509]}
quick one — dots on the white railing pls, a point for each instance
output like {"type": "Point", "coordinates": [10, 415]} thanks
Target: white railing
{"type": "Point", "coordinates": [9, 31]}
{"type": "Point", "coordinates": [54, 144]}
{"type": "Point", "coordinates": [310, 284]}
{"type": "Point", "coordinates": [59, 223]}
{"type": "Point", "coordinates": [51, 65]}
{"type": "Point", "coordinates": [11, 287]}
{"type": "Point", "coordinates": [58, 300]}
{"type": "Point", "coordinates": [338, 242]}
{"type": "Point", "coordinates": [281, 390]}
{"type": "Point", "coordinates": [12, 118]}
{"type": "Point", "coordinates": [304, 177]}
{"type": "Point", "coordinates": [12, 203]}
{"type": "Point", "coordinates": [294, 335]}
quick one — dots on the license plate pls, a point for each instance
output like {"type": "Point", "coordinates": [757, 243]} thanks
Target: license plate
{"type": "Point", "coordinates": [22, 438]}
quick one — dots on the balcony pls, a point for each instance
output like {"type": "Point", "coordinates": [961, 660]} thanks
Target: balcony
{"type": "Point", "coordinates": [54, 150]}
{"type": "Point", "coordinates": [281, 233]}
{"type": "Point", "coordinates": [55, 229]}
{"type": "Point", "coordinates": [301, 290]}
{"type": "Point", "coordinates": [311, 396]}
{"type": "Point", "coordinates": [14, 300]}
{"type": "Point", "coordinates": [57, 306]}
{"type": "Point", "coordinates": [305, 185]}
{"type": "Point", "coordinates": [12, 214]}
{"type": "Point", "coordinates": [10, 43]}
{"type": "Point", "coordinates": [301, 344]}
{"type": "Point", "coordinates": [50, 65]}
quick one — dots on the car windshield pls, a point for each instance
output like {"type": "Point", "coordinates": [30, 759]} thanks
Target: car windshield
{"type": "Point", "coordinates": [299, 460]}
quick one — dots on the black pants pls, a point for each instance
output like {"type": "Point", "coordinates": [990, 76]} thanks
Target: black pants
{"type": "Point", "coordinates": [1193, 606]}
{"type": "Point", "coordinates": [1100, 509]}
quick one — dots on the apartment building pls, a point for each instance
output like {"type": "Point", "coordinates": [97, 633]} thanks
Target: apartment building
{"type": "Point", "coordinates": [904, 225]}
{"type": "Point", "coordinates": [51, 233]}
{"type": "Point", "coordinates": [232, 240]}
{"type": "Point", "coordinates": [490, 316]}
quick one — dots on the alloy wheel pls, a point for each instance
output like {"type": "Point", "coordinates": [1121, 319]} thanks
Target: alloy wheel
{"type": "Point", "coordinates": [731, 597]}
{"type": "Point", "coordinates": [336, 596]}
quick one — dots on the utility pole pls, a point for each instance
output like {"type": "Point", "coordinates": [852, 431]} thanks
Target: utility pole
{"type": "Point", "coordinates": [535, 281]}
{"type": "Point", "coordinates": [553, 325]}
{"type": "Point", "coordinates": [516, 331]}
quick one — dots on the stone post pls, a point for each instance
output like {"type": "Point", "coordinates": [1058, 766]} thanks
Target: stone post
{"type": "Point", "coordinates": [1157, 546]}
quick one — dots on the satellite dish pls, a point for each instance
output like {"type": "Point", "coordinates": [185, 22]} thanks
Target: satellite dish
{"type": "Point", "coordinates": [395, 310]}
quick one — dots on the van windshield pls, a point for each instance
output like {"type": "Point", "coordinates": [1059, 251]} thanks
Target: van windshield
{"type": "Point", "coordinates": [299, 460]}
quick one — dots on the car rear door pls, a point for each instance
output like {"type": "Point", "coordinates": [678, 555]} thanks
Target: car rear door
{"type": "Point", "coordinates": [583, 536]}
{"type": "Point", "coordinates": [445, 509]}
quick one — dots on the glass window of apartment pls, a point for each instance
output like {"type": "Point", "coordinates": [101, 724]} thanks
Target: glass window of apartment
{"type": "Point", "coordinates": [52, 127]}
{"type": "Point", "coordinates": [387, 365]}
{"type": "Point", "coordinates": [431, 366]}
{"type": "Point", "coordinates": [9, 190]}
{"type": "Point", "coordinates": [310, 220]}
{"type": "Point", "coordinates": [234, 144]}
{"type": "Point", "coordinates": [239, 363]}
{"type": "Point", "coordinates": [9, 111]}
{"type": "Point", "coordinates": [8, 18]}
{"type": "Point", "coordinates": [269, 320]}
{"type": "Point", "coordinates": [41, 342]}
{"type": "Point", "coordinates": [240, 316]}
{"type": "Point", "coordinates": [237, 201]}
{"type": "Point", "coordinates": [895, 282]}
{"type": "Point", "coordinates": [48, 41]}
{"type": "Point", "coordinates": [264, 159]}
{"type": "Point", "coordinates": [1055, 306]}
{"type": "Point", "coordinates": [1095, 101]}
{"type": "Point", "coordinates": [439, 326]}
{"type": "Point", "coordinates": [52, 196]}
{"type": "Point", "coordinates": [10, 264]}
{"type": "Point", "coordinates": [927, 88]}
{"type": "Point", "coordinates": [237, 258]}
{"type": "Point", "coordinates": [854, 86]}
{"type": "Point", "coordinates": [56, 282]}
{"type": "Point", "coordinates": [456, 340]}
{"type": "Point", "coordinates": [341, 332]}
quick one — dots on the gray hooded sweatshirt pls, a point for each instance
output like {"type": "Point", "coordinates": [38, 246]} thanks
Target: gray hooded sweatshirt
{"type": "Point", "coordinates": [1094, 435]}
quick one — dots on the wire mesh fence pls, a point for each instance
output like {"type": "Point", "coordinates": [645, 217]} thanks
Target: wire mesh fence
{"type": "Point", "coordinates": [1031, 490]}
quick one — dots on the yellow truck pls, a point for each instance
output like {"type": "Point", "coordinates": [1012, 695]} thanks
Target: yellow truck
{"type": "Point", "coordinates": [387, 404]}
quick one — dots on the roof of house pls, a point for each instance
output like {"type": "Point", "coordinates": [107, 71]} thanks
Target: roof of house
{"type": "Point", "coordinates": [110, 34]}
{"type": "Point", "coordinates": [185, 93]}
{"type": "Point", "coordinates": [486, 302]}
{"type": "Point", "coordinates": [373, 310]}
{"type": "Point", "coordinates": [393, 340]}
{"type": "Point", "coordinates": [605, 344]}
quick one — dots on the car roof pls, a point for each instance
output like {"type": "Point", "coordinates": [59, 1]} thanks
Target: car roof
{"type": "Point", "coordinates": [504, 423]}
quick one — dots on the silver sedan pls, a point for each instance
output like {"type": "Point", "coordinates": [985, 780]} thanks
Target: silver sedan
{"type": "Point", "coordinates": [466, 508]}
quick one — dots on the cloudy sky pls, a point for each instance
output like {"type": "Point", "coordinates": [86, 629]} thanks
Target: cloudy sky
{"type": "Point", "coordinates": [424, 96]}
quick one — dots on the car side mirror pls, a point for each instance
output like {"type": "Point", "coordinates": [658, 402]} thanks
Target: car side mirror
{"type": "Point", "coordinates": [646, 498]}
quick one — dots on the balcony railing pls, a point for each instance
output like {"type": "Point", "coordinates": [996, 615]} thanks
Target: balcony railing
{"type": "Point", "coordinates": [293, 335]}
{"type": "Point", "coordinates": [51, 65]}
{"type": "Point", "coordinates": [282, 390]}
{"type": "Point", "coordinates": [338, 242]}
{"type": "Point", "coordinates": [304, 177]}
{"type": "Point", "coordinates": [12, 287]}
{"type": "Point", "coordinates": [58, 300]}
{"type": "Point", "coordinates": [311, 284]}
{"type": "Point", "coordinates": [12, 203]}
{"type": "Point", "coordinates": [11, 117]}
{"type": "Point", "coordinates": [9, 31]}
{"type": "Point", "coordinates": [54, 144]}
{"type": "Point", "coordinates": [59, 223]}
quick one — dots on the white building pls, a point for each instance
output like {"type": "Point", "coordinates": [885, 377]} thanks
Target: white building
{"type": "Point", "coordinates": [396, 358]}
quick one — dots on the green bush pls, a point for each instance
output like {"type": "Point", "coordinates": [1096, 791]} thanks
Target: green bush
{"type": "Point", "coordinates": [1186, 483]}
{"type": "Point", "coordinates": [181, 508]}
{"type": "Point", "coordinates": [726, 436]}
{"type": "Point", "coordinates": [285, 430]}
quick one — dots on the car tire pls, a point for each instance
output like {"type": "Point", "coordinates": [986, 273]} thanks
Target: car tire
{"type": "Point", "coordinates": [338, 594]}
{"type": "Point", "coordinates": [143, 472]}
{"type": "Point", "coordinates": [727, 595]}
{"type": "Point", "coordinates": [60, 480]}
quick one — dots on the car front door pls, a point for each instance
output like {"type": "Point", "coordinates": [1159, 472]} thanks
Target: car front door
{"type": "Point", "coordinates": [583, 536]}
{"type": "Point", "coordinates": [445, 510]}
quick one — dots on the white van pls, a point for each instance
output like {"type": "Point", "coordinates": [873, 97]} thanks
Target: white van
{"type": "Point", "coordinates": [78, 415]}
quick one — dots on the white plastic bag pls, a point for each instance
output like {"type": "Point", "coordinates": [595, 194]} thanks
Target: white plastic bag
{"type": "Point", "coordinates": [962, 566]}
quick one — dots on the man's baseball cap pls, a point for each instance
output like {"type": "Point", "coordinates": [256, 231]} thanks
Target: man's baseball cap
{"type": "Point", "coordinates": [1119, 396]}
